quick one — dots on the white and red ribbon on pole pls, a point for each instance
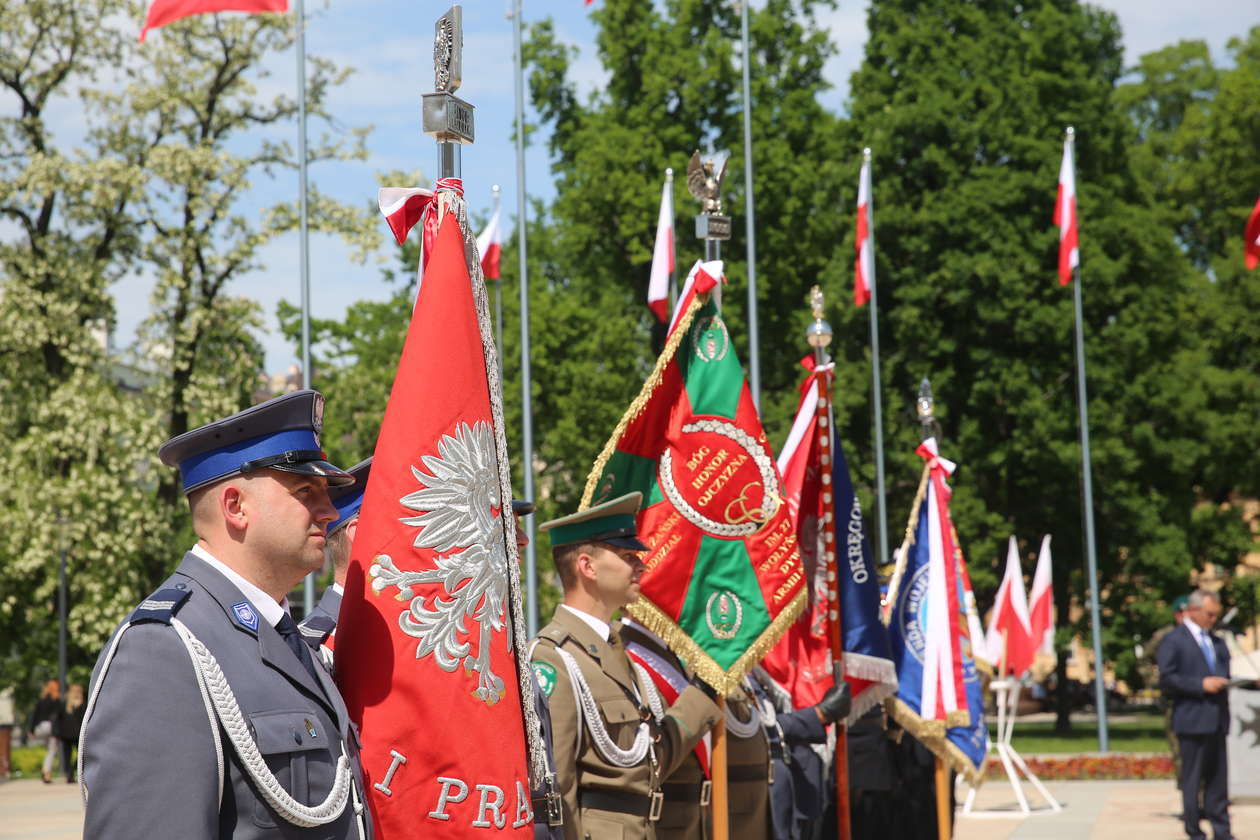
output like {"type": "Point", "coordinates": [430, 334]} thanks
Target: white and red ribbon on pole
{"type": "Point", "coordinates": [703, 277]}
{"type": "Point", "coordinates": [405, 207]}
{"type": "Point", "coordinates": [943, 689]}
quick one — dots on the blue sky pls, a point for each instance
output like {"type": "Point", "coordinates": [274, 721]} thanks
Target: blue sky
{"type": "Point", "coordinates": [389, 43]}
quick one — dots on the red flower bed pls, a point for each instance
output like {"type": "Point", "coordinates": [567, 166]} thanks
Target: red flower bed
{"type": "Point", "coordinates": [1091, 766]}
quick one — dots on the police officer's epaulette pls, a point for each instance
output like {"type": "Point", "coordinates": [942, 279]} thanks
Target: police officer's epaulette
{"type": "Point", "coordinates": [161, 606]}
{"type": "Point", "coordinates": [316, 629]}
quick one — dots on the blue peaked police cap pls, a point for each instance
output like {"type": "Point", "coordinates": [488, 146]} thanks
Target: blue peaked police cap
{"type": "Point", "coordinates": [348, 499]}
{"type": "Point", "coordinates": [279, 434]}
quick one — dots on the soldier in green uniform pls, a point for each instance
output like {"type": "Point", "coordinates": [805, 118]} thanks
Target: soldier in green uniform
{"type": "Point", "coordinates": [614, 740]}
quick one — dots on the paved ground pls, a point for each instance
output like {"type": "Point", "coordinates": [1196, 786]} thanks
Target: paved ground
{"type": "Point", "coordinates": [32, 810]}
{"type": "Point", "coordinates": [1119, 810]}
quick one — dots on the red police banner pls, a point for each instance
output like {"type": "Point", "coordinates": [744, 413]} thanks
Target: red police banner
{"type": "Point", "coordinates": [429, 626]}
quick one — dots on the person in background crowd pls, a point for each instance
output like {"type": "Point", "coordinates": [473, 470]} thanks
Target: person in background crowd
{"type": "Point", "coordinates": [1194, 674]}
{"type": "Point", "coordinates": [41, 726]}
{"type": "Point", "coordinates": [318, 627]}
{"type": "Point", "coordinates": [1179, 614]}
{"type": "Point", "coordinates": [7, 721]}
{"type": "Point", "coordinates": [69, 722]}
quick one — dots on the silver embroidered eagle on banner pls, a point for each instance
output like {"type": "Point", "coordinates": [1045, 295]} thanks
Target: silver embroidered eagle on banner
{"type": "Point", "coordinates": [459, 514]}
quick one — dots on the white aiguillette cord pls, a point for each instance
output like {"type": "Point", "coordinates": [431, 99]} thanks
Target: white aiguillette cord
{"type": "Point", "coordinates": [587, 709]}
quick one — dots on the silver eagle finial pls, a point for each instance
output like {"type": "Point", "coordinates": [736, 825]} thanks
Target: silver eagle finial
{"type": "Point", "coordinates": [704, 180]}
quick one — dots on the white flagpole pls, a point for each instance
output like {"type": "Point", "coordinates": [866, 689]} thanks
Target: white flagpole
{"type": "Point", "coordinates": [750, 219]}
{"type": "Point", "coordinates": [1087, 485]}
{"type": "Point", "coordinates": [527, 410]}
{"type": "Point", "coordinates": [876, 387]}
{"type": "Point", "coordinates": [308, 587]}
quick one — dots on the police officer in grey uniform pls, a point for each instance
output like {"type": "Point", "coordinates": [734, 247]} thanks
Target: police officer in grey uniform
{"type": "Point", "coordinates": [322, 622]}
{"type": "Point", "coordinates": [207, 715]}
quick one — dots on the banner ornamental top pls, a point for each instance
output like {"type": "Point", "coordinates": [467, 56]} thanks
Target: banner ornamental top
{"type": "Point", "coordinates": [447, 117]}
{"type": "Point", "coordinates": [448, 51]}
{"type": "Point", "coordinates": [704, 181]}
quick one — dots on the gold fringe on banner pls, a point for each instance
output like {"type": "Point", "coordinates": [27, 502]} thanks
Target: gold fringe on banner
{"type": "Point", "coordinates": [645, 394]}
{"type": "Point", "coordinates": [894, 585]}
{"type": "Point", "coordinates": [931, 733]}
{"type": "Point", "coordinates": [723, 681]}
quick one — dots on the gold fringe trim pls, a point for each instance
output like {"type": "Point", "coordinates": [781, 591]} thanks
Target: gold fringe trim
{"type": "Point", "coordinates": [723, 681]}
{"type": "Point", "coordinates": [931, 733]}
{"type": "Point", "coordinates": [894, 585]}
{"type": "Point", "coordinates": [958, 760]}
{"type": "Point", "coordinates": [645, 394]}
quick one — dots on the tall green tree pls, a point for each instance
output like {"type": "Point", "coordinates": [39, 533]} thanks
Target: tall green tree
{"type": "Point", "coordinates": [153, 179]}
{"type": "Point", "coordinates": [965, 106]}
{"type": "Point", "coordinates": [672, 86]}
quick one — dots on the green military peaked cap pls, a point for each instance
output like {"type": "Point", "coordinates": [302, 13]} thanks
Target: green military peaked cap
{"type": "Point", "coordinates": [613, 523]}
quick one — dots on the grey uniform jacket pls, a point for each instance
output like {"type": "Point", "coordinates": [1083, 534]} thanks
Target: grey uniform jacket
{"type": "Point", "coordinates": [149, 758]}
{"type": "Point", "coordinates": [322, 622]}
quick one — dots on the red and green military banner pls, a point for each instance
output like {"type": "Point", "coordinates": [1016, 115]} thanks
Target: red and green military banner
{"type": "Point", "coordinates": [724, 577]}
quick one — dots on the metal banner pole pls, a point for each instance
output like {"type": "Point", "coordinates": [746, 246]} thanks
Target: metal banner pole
{"type": "Point", "coordinates": [704, 181]}
{"type": "Point", "coordinates": [876, 387]}
{"type": "Point", "coordinates": [818, 335]}
{"type": "Point", "coordinates": [308, 585]}
{"type": "Point", "coordinates": [498, 283]}
{"type": "Point", "coordinates": [527, 402]}
{"type": "Point", "coordinates": [750, 220]}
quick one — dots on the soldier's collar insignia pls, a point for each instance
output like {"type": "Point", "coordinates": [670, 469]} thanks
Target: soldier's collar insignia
{"type": "Point", "coordinates": [245, 615]}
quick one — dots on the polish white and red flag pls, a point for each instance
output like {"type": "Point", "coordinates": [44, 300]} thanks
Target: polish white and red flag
{"type": "Point", "coordinates": [1041, 611]}
{"type": "Point", "coordinates": [162, 12]}
{"type": "Point", "coordinates": [1065, 216]}
{"type": "Point", "coordinates": [490, 246]}
{"type": "Point", "coordinates": [864, 265]}
{"type": "Point", "coordinates": [1010, 638]}
{"type": "Point", "coordinates": [662, 257]}
{"type": "Point", "coordinates": [1251, 238]}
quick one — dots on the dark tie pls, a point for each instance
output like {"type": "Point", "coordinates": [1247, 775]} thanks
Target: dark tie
{"type": "Point", "coordinates": [292, 636]}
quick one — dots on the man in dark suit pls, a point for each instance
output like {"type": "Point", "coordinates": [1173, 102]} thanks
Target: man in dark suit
{"type": "Point", "coordinates": [1194, 674]}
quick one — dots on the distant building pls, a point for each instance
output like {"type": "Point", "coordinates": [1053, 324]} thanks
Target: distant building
{"type": "Point", "coordinates": [274, 384]}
